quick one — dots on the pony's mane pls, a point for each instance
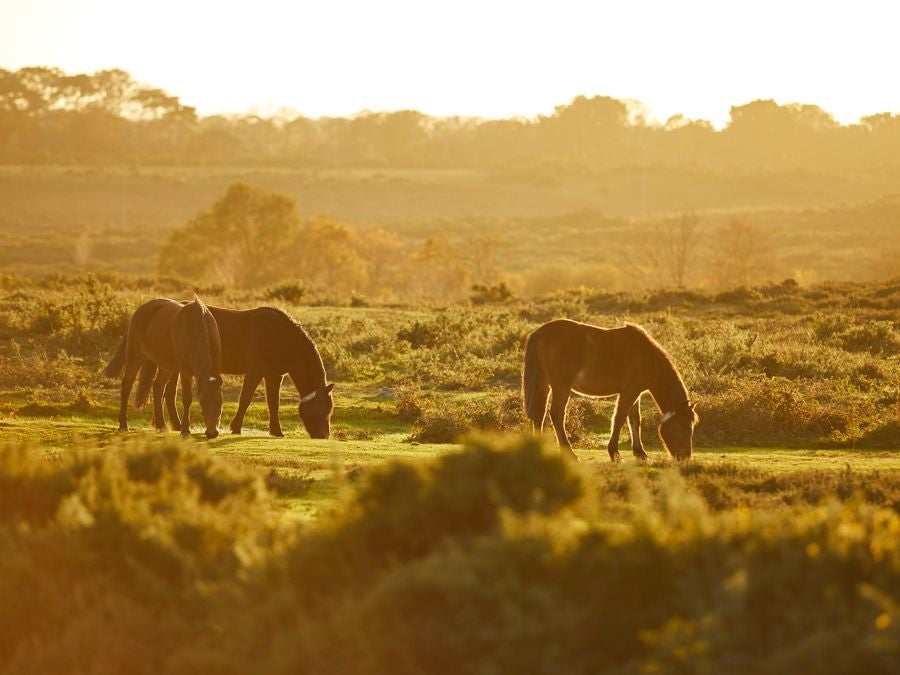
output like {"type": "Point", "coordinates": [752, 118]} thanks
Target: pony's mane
{"type": "Point", "coordinates": [664, 357]}
{"type": "Point", "coordinates": [653, 343]}
{"type": "Point", "coordinates": [302, 336]}
{"type": "Point", "coordinates": [201, 357]}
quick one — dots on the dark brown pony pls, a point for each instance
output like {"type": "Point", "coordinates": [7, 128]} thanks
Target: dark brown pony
{"type": "Point", "coordinates": [263, 344]}
{"type": "Point", "coordinates": [175, 337]}
{"type": "Point", "coordinates": [567, 356]}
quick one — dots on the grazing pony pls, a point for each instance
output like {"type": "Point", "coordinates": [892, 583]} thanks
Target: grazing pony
{"type": "Point", "coordinates": [567, 356]}
{"type": "Point", "coordinates": [264, 344]}
{"type": "Point", "coordinates": [176, 337]}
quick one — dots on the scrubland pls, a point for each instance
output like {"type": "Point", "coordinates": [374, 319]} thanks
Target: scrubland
{"type": "Point", "coordinates": [429, 534]}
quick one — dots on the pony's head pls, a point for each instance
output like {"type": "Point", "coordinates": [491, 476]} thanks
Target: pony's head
{"type": "Point", "coordinates": [315, 411]}
{"type": "Point", "coordinates": [210, 394]}
{"type": "Point", "coordinates": [676, 429]}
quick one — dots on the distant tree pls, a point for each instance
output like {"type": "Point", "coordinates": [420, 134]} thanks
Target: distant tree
{"type": "Point", "coordinates": [667, 249]}
{"type": "Point", "coordinates": [480, 254]}
{"type": "Point", "coordinates": [245, 238]}
{"type": "Point", "coordinates": [885, 265]}
{"type": "Point", "coordinates": [388, 266]}
{"type": "Point", "coordinates": [328, 254]}
{"type": "Point", "coordinates": [742, 254]}
{"type": "Point", "coordinates": [440, 272]}
{"type": "Point", "coordinates": [764, 133]}
{"type": "Point", "coordinates": [588, 128]}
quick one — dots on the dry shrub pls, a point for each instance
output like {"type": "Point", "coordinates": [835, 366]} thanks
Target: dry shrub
{"type": "Point", "coordinates": [443, 421]}
{"type": "Point", "coordinates": [762, 411]}
{"type": "Point", "coordinates": [143, 558]}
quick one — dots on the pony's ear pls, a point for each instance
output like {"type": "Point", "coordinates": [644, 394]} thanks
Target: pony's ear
{"type": "Point", "coordinates": [329, 387]}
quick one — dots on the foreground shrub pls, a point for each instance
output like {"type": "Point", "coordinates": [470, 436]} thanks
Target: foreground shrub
{"type": "Point", "coordinates": [496, 559]}
{"type": "Point", "coordinates": [439, 420]}
{"type": "Point", "coordinates": [424, 584]}
{"type": "Point", "coordinates": [108, 556]}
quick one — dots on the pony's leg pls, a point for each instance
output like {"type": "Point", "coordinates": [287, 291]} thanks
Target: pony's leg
{"type": "Point", "coordinates": [558, 417]}
{"type": "Point", "coordinates": [131, 371]}
{"type": "Point", "coordinates": [169, 396]}
{"type": "Point", "coordinates": [187, 379]}
{"type": "Point", "coordinates": [251, 382]}
{"type": "Point", "coordinates": [537, 425]}
{"type": "Point", "coordinates": [273, 395]}
{"type": "Point", "coordinates": [623, 407]}
{"type": "Point", "coordinates": [634, 424]}
{"type": "Point", "coordinates": [159, 422]}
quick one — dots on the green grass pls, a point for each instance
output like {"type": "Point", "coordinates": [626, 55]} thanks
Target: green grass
{"type": "Point", "coordinates": [308, 475]}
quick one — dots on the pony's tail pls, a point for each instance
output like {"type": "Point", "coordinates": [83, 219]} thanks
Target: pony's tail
{"type": "Point", "coordinates": [145, 383]}
{"type": "Point", "coordinates": [534, 388]}
{"type": "Point", "coordinates": [114, 368]}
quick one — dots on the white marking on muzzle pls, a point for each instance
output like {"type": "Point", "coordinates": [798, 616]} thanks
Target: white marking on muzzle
{"type": "Point", "coordinates": [308, 397]}
{"type": "Point", "coordinates": [665, 418]}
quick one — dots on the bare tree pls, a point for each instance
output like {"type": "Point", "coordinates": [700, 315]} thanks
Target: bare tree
{"type": "Point", "coordinates": [742, 254]}
{"type": "Point", "coordinates": [480, 254]}
{"type": "Point", "coordinates": [667, 249]}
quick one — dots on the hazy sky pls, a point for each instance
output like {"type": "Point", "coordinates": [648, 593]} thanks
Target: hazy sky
{"type": "Point", "coordinates": [490, 59]}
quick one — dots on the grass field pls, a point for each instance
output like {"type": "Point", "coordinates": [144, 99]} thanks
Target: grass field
{"type": "Point", "coordinates": [307, 475]}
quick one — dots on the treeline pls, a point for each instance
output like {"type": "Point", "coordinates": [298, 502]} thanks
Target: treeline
{"type": "Point", "coordinates": [48, 116]}
{"type": "Point", "coordinates": [253, 238]}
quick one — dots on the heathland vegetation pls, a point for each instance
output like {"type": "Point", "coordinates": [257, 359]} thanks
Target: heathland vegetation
{"type": "Point", "coordinates": [155, 557]}
{"type": "Point", "coordinates": [418, 253]}
{"type": "Point", "coordinates": [773, 365]}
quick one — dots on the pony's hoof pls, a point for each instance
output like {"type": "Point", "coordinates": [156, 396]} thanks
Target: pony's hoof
{"type": "Point", "coordinates": [616, 458]}
{"type": "Point", "coordinates": [642, 457]}
{"type": "Point", "coordinates": [122, 430]}
{"type": "Point", "coordinates": [235, 430]}
{"type": "Point", "coordinates": [185, 434]}
{"type": "Point", "coordinates": [276, 434]}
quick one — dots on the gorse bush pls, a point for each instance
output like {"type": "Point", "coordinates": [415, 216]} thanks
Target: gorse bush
{"type": "Point", "coordinates": [36, 369]}
{"type": "Point", "coordinates": [144, 558]}
{"type": "Point", "coordinates": [873, 336]}
{"type": "Point", "coordinates": [291, 292]}
{"type": "Point", "coordinates": [98, 547]}
{"type": "Point", "coordinates": [87, 316]}
{"type": "Point", "coordinates": [757, 411]}
{"type": "Point", "coordinates": [442, 421]}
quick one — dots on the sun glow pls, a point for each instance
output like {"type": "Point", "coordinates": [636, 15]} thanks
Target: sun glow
{"type": "Point", "coordinates": [495, 59]}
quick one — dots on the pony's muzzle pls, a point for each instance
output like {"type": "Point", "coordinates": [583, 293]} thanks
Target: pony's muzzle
{"type": "Point", "coordinates": [212, 433]}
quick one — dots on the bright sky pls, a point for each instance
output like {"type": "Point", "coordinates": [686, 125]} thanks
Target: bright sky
{"type": "Point", "coordinates": [474, 57]}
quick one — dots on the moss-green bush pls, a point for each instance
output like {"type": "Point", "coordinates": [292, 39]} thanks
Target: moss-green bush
{"type": "Point", "coordinates": [441, 421]}
{"type": "Point", "coordinates": [154, 558]}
